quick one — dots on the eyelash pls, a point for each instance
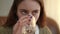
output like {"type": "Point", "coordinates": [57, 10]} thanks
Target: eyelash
{"type": "Point", "coordinates": [24, 12]}
{"type": "Point", "coordinates": [35, 12]}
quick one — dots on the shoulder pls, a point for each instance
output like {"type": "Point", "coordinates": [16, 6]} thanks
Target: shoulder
{"type": "Point", "coordinates": [5, 30]}
{"type": "Point", "coordinates": [45, 30]}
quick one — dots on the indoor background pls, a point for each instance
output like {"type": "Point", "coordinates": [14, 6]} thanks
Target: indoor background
{"type": "Point", "coordinates": [52, 8]}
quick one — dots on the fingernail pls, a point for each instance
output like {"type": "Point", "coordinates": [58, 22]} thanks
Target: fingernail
{"type": "Point", "coordinates": [30, 16]}
{"type": "Point", "coordinates": [29, 20]}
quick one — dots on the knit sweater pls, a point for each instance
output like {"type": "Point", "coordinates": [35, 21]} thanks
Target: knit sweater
{"type": "Point", "coordinates": [8, 30]}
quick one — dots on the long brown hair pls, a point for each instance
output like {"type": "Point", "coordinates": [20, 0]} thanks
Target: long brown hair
{"type": "Point", "coordinates": [12, 17]}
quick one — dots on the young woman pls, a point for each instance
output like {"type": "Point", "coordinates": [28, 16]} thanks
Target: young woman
{"type": "Point", "coordinates": [22, 12]}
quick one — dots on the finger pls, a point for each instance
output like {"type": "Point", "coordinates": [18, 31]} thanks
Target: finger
{"type": "Point", "coordinates": [23, 22]}
{"type": "Point", "coordinates": [18, 27]}
{"type": "Point", "coordinates": [24, 17]}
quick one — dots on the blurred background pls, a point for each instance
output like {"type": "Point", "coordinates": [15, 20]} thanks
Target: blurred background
{"type": "Point", "coordinates": [52, 8]}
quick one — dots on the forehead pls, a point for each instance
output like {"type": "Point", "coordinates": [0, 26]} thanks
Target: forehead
{"type": "Point", "coordinates": [29, 5]}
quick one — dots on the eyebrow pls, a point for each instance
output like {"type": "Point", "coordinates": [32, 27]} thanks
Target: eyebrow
{"type": "Point", "coordinates": [35, 10]}
{"type": "Point", "coordinates": [24, 9]}
{"type": "Point", "coordinates": [28, 10]}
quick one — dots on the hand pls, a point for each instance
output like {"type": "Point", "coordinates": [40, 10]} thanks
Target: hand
{"type": "Point", "coordinates": [17, 29]}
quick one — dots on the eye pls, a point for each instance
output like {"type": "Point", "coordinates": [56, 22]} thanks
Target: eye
{"type": "Point", "coordinates": [23, 12]}
{"type": "Point", "coordinates": [35, 12]}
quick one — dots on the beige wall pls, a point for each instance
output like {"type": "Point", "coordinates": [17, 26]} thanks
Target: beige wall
{"type": "Point", "coordinates": [52, 8]}
{"type": "Point", "coordinates": [5, 6]}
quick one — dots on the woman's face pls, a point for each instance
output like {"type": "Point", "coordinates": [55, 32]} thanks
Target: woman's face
{"type": "Point", "coordinates": [28, 7]}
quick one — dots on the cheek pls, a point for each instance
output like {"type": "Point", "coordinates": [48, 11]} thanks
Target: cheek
{"type": "Point", "coordinates": [36, 17]}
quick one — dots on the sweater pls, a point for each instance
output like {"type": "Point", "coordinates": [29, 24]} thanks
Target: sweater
{"type": "Point", "coordinates": [9, 30]}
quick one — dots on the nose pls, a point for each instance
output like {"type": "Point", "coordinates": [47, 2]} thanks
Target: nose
{"type": "Point", "coordinates": [30, 16]}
